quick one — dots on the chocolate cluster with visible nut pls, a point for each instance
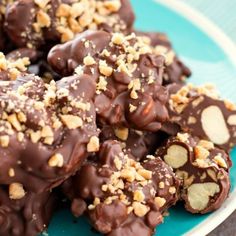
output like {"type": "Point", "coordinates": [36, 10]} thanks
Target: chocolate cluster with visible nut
{"type": "Point", "coordinates": [47, 130]}
{"type": "Point", "coordinates": [27, 216]}
{"type": "Point", "coordinates": [10, 68]}
{"type": "Point", "coordinates": [128, 75]}
{"type": "Point", "coordinates": [38, 63]}
{"type": "Point", "coordinates": [138, 193]}
{"type": "Point", "coordinates": [52, 21]}
{"type": "Point", "coordinates": [175, 70]}
{"type": "Point", "coordinates": [200, 111]}
{"type": "Point", "coordinates": [138, 143]}
{"type": "Point", "coordinates": [203, 169]}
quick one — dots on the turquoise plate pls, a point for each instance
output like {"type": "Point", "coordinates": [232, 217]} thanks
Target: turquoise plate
{"type": "Point", "coordinates": [210, 55]}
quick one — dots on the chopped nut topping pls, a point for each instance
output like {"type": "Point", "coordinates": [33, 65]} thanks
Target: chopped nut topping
{"type": "Point", "coordinates": [105, 69]}
{"type": "Point", "coordinates": [43, 19]}
{"type": "Point", "coordinates": [16, 191]}
{"type": "Point", "coordinates": [21, 117]}
{"type": "Point", "coordinates": [139, 196]}
{"type": "Point", "coordinates": [127, 174]}
{"type": "Point", "coordinates": [122, 133]}
{"type": "Point", "coordinates": [88, 61]}
{"type": "Point", "coordinates": [113, 6]}
{"type": "Point", "coordinates": [56, 160]}
{"type": "Point", "coordinates": [132, 108]}
{"type": "Point", "coordinates": [96, 201]}
{"type": "Point", "coordinates": [42, 3]}
{"type": "Point", "coordinates": [135, 85]}
{"type": "Point", "coordinates": [11, 172]}
{"type": "Point", "coordinates": [192, 120]}
{"type": "Point", "coordinates": [145, 173]}
{"type": "Point", "coordinates": [232, 120]}
{"type": "Point", "coordinates": [129, 209]}
{"type": "Point", "coordinates": [220, 161]}
{"type": "Point", "coordinates": [14, 121]}
{"type": "Point", "coordinates": [206, 144]}
{"type": "Point", "coordinates": [4, 140]}
{"type": "Point", "coordinates": [71, 121]}
{"type": "Point", "coordinates": [183, 137]}
{"type": "Point", "coordinates": [140, 209]}
{"type": "Point", "coordinates": [35, 136]}
{"type": "Point", "coordinates": [160, 201]}
{"type": "Point", "coordinates": [101, 85]}
{"type": "Point", "coordinates": [118, 163]}
{"type": "Point", "coordinates": [212, 174]}
{"type": "Point", "coordinates": [118, 38]}
{"type": "Point", "coordinates": [172, 190]}
{"type": "Point", "coordinates": [201, 152]}
{"type": "Point", "coordinates": [93, 145]}
{"type": "Point", "coordinates": [46, 132]}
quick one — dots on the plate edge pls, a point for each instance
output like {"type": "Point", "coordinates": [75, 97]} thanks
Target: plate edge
{"type": "Point", "coordinates": [205, 24]}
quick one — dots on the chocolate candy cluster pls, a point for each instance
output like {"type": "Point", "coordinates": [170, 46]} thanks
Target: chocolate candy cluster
{"type": "Point", "coordinates": [100, 112]}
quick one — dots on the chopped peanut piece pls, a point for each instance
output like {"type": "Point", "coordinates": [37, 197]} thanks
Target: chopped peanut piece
{"type": "Point", "coordinates": [56, 160]}
{"type": "Point", "coordinates": [93, 145]}
{"type": "Point", "coordinates": [16, 191]}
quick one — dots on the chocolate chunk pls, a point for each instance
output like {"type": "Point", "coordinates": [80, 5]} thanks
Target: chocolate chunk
{"type": "Point", "coordinates": [176, 71]}
{"type": "Point", "coordinates": [138, 193]}
{"type": "Point", "coordinates": [27, 216]}
{"type": "Point", "coordinates": [203, 169]}
{"type": "Point", "coordinates": [200, 111]}
{"type": "Point", "coordinates": [60, 20]}
{"type": "Point", "coordinates": [128, 74]}
{"type": "Point", "coordinates": [139, 144]}
{"type": "Point", "coordinates": [47, 130]}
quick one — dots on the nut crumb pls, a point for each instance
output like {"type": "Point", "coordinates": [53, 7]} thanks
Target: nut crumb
{"type": "Point", "coordinates": [93, 145]}
{"type": "Point", "coordinates": [16, 191]}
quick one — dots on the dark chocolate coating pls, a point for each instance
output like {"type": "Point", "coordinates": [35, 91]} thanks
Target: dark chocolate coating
{"type": "Point", "coordinates": [176, 71]}
{"type": "Point", "coordinates": [88, 183]}
{"type": "Point", "coordinates": [45, 129]}
{"type": "Point", "coordinates": [205, 165]}
{"type": "Point", "coordinates": [138, 143]}
{"type": "Point", "coordinates": [157, 38]}
{"type": "Point", "coordinates": [35, 28]}
{"type": "Point", "coordinates": [114, 100]}
{"type": "Point", "coordinates": [31, 53]}
{"type": "Point", "coordinates": [190, 107]}
{"type": "Point", "coordinates": [28, 216]}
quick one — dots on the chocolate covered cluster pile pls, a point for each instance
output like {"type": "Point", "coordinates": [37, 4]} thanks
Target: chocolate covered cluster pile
{"type": "Point", "coordinates": [102, 113]}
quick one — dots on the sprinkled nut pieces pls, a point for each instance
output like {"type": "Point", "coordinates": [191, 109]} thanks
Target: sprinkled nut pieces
{"type": "Point", "coordinates": [39, 124]}
{"type": "Point", "coordinates": [203, 169]}
{"type": "Point", "coordinates": [106, 115]}
{"type": "Point", "coordinates": [193, 108]}
{"type": "Point", "coordinates": [128, 72]}
{"type": "Point", "coordinates": [57, 21]}
{"type": "Point", "coordinates": [118, 183]}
